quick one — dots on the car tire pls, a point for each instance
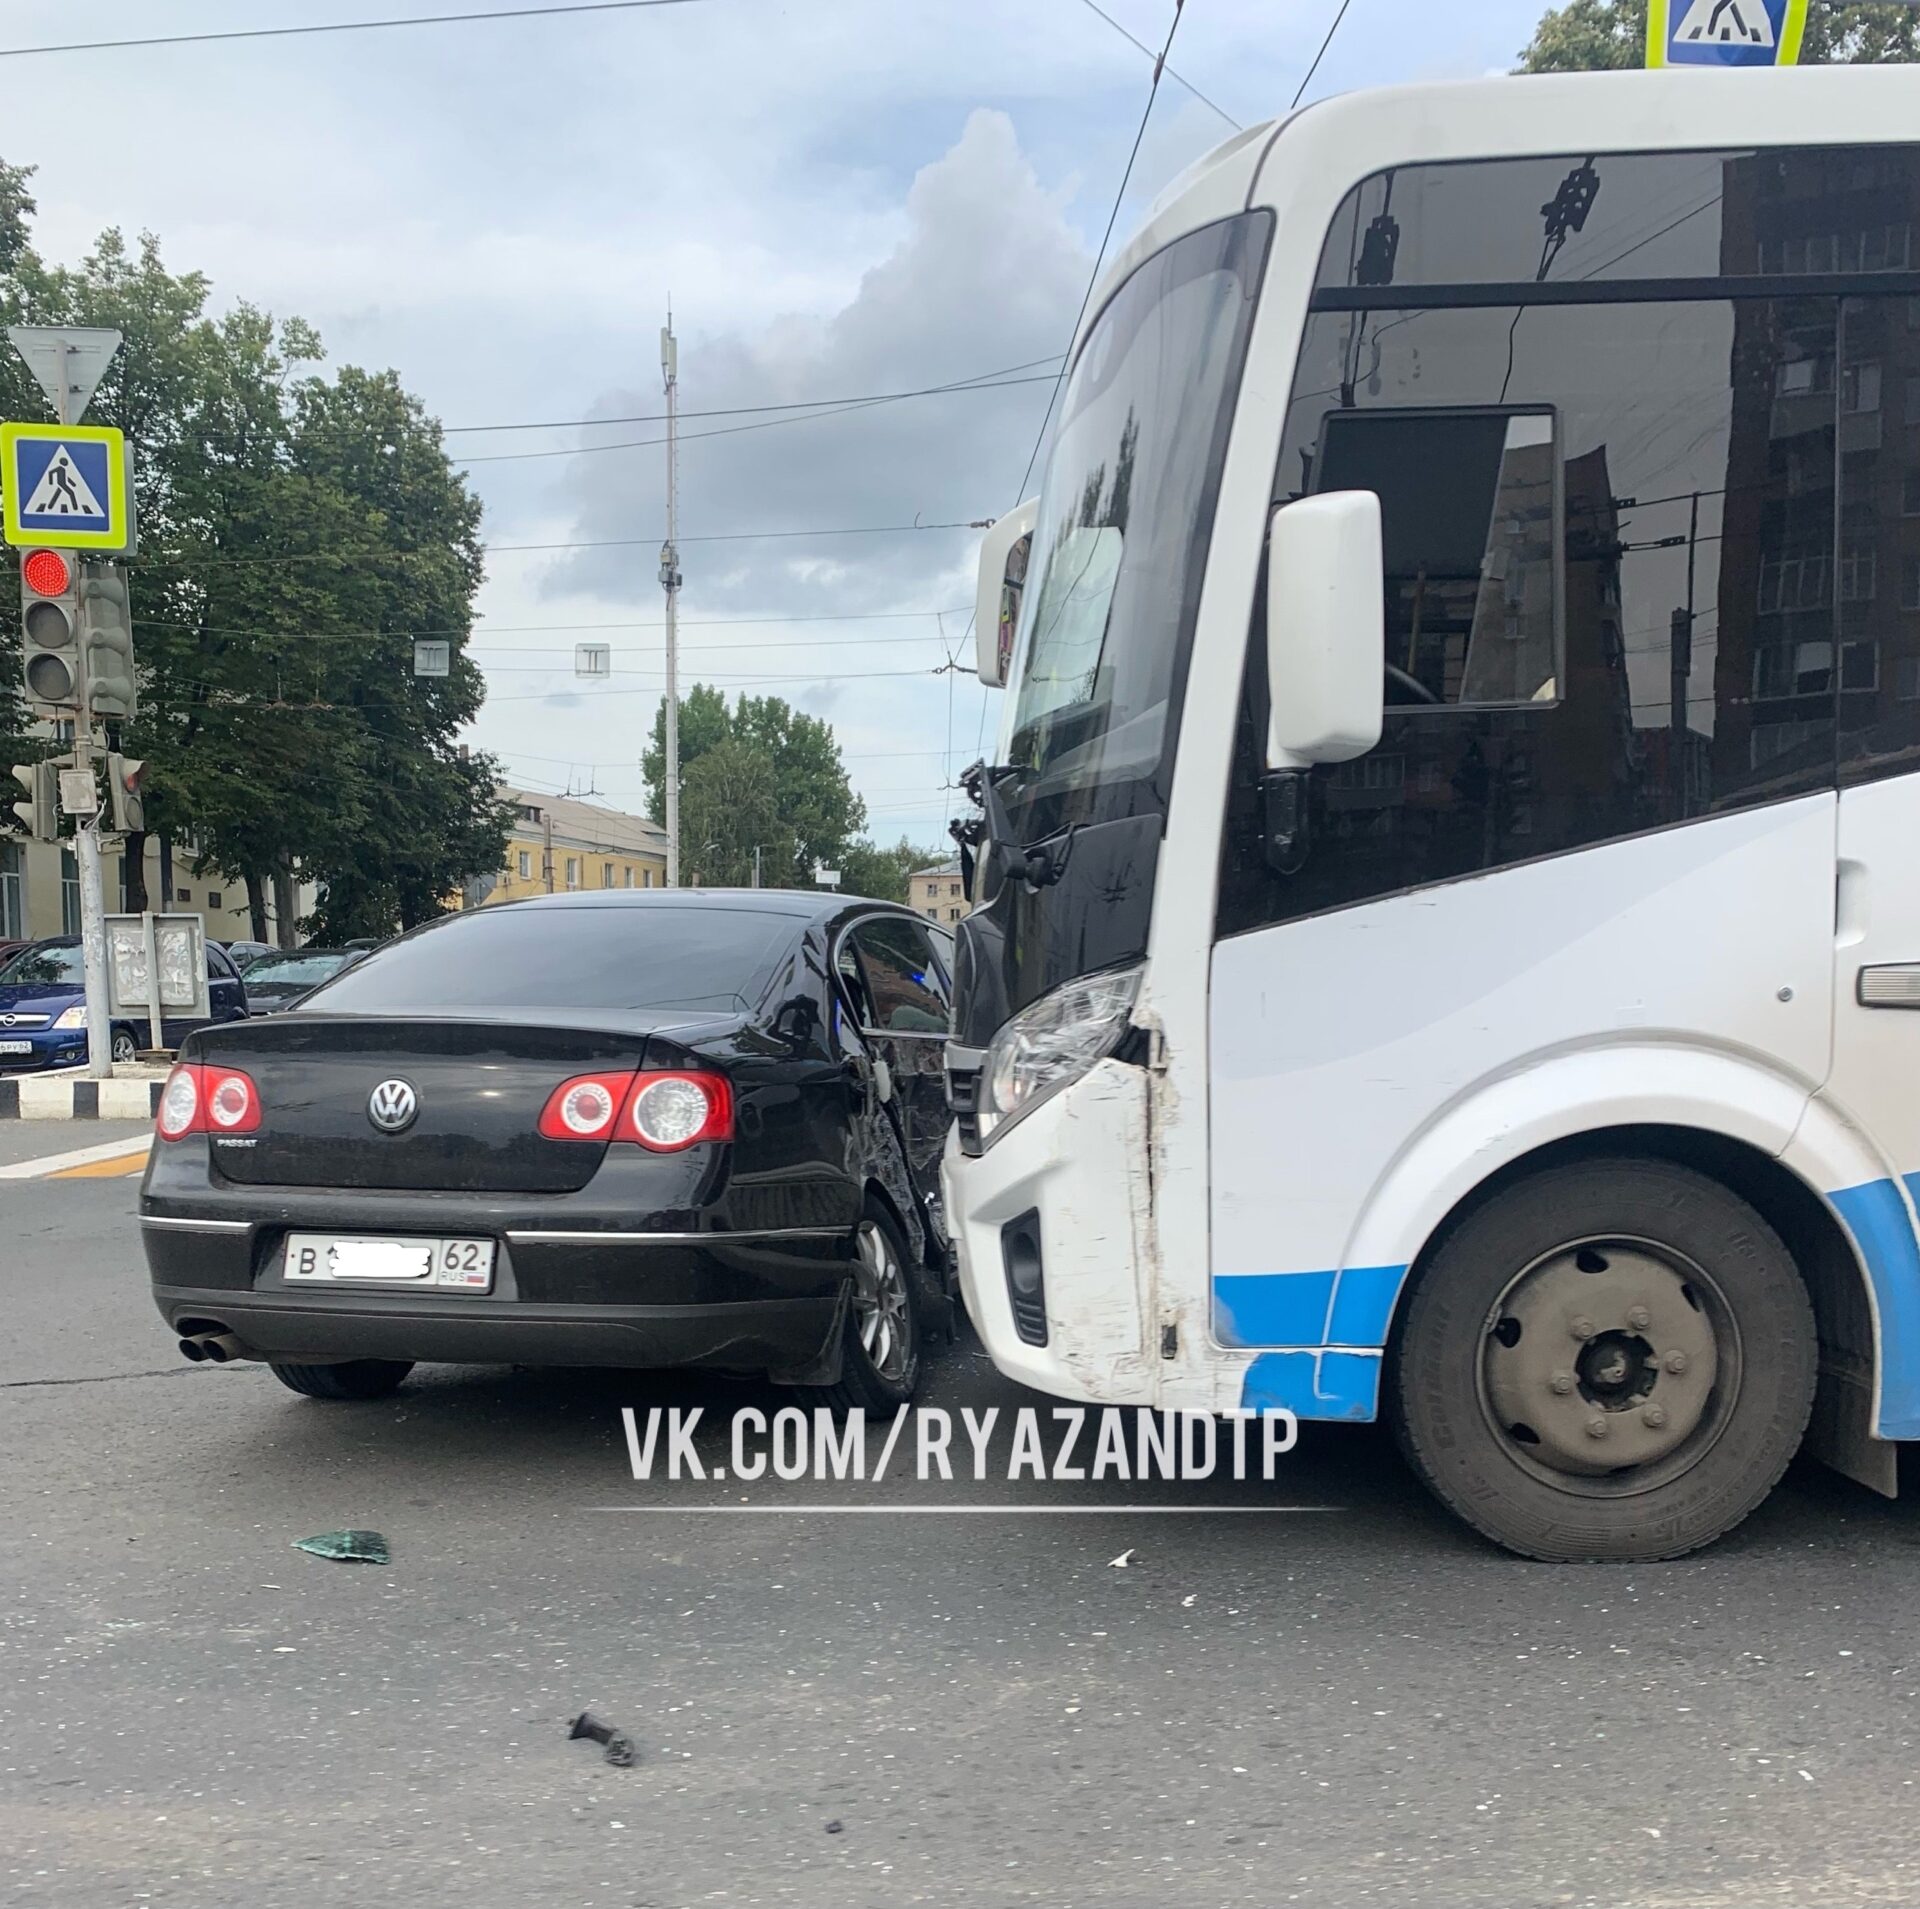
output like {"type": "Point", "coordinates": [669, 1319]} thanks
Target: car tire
{"type": "Point", "coordinates": [124, 1047]}
{"type": "Point", "coordinates": [880, 1352]}
{"type": "Point", "coordinates": [1614, 1310]}
{"type": "Point", "coordinates": [354, 1379]}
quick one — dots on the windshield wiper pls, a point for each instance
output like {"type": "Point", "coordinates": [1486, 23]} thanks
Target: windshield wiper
{"type": "Point", "coordinates": [988, 836]}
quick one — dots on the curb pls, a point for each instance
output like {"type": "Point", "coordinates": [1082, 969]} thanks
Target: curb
{"type": "Point", "coordinates": [80, 1099]}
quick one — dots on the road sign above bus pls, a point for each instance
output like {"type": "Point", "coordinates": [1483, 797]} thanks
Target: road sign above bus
{"type": "Point", "coordinates": [66, 486]}
{"type": "Point", "coordinates": [1725, 32]}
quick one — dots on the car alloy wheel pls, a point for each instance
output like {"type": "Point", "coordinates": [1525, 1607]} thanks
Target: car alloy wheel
{"type": "Point", "coordinates": [880, 1304]}
{"type": "Point", "coordinates": [123, 1045]}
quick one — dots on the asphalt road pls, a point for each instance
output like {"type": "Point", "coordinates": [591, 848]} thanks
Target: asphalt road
{"type": "Point", "coordinates": [1347, 1706]}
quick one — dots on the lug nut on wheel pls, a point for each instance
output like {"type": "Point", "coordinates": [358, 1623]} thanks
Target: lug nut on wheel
{"type": "Point", "coordinates": [1581, 1327]}
{"type": "Point", "coordinates": [1596, 1428]}
{"type": "Point", "coordinates": [1639, 1318]}
{"type": "Point", "coordinates": [1676, 1363]}
{"type": "Point", "coordinates": [1654, 1415]}
{"type": "Point", "coordinates": [1561, 1382]}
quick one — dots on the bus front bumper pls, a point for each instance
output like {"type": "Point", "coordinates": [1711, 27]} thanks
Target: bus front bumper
{"type": "Point", "coordinates": [1051, 1225]}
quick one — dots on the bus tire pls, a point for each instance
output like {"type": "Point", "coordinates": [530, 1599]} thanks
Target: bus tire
{"type": "Point", "coordinates": [1613, 1359]}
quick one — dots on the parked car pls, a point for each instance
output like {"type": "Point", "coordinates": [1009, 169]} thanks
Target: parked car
{"type": "Point", "coordinates": [243, 954]}
{"type": "Point", "coordinates": [279, 979]}
{"type": "Point", "coordinates": [691, 1127]}
{"type": "Point", "coordinates": [43, 1007]}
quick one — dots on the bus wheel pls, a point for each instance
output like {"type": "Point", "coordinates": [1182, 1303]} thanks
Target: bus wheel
{"type": "Point", "coordinates": [1613, 1359]}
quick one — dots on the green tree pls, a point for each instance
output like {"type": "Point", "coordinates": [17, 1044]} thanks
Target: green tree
{"type": "Point", "coordinates": [427, 817]}
{"type": "Point", "coordinates": [704, 721]}
{"type": "Point", "coordinates": [820, 814]}
{"type": "Point", "coordinates": [881, 873]}
{"type": "Point", "coordinates": [1594, 35]}
{"type": "Point", "coordinates": [730, 804]}
{"type": "Point", "coordinates": [817, 802]}
{"type": "Point", "coordinates": [296, 533]}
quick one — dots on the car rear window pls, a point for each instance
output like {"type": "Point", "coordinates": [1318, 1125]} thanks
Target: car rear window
{"type": "Point", "coordinates": [587, 958]}
{"type": "Point", "coordinates": [288, 970]}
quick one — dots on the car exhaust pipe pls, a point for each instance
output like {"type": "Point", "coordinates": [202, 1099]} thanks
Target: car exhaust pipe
{"type": "Point", "coordinates": [216, 1348]}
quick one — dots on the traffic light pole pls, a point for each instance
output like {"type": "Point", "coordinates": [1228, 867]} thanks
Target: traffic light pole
{"type": "Point", "coordinates": [670, 577]}
{"type": "Point", "coordinates": [93, 942]}
{"type": "Point", "coordinates": [86, 840]}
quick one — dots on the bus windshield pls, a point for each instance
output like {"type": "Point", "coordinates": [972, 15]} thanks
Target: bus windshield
{"type": "Point", "coordinates": [1120, 545]}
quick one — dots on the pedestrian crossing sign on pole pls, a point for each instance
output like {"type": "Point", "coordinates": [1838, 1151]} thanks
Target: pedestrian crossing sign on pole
{"type": "Point", "coordinates": [1725, 32]}
{"type": "Point", "coordinates": [65, 486]}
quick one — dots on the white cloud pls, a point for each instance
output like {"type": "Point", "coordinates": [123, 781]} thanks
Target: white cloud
{"type": "Point", "coordinates": [501, 211]}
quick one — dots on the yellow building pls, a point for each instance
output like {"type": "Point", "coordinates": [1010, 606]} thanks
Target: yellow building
{"type": "Point", "coordinates": [938, 893]}
{"type": "Point", "coordinates": [561, 846]}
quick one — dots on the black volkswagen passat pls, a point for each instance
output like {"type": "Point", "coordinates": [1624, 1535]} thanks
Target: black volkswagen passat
{"type": "Point", "coordinates": [696, 1127]}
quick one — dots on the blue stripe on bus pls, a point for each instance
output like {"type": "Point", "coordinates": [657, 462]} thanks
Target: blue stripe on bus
{"type": "Point", "coordinates": [1313, 1385]}
{"type": "Point", "coordinates": [1882, 1228]}
{"type": "Point", "coordinates": [1323, 1325]}
{"type": "Point", "coordinates": [1349, 1307]}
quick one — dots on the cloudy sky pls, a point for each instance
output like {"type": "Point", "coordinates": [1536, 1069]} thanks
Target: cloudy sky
{"type": "Point", "coordinates": [842, 198]}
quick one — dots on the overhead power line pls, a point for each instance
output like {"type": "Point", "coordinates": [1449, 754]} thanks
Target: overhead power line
{"type": "Point", "coordinates": [977, 382]}
{"type": "Point", "coordinates": [1093, 277]}
{"type": "Point", "coordinates": [807, 676]}
{"type": "Point", "coordinates": [590, 543]}
{"type": "Point", "coordinates": [751, 536]}
{"type": "Point", "coordinates": [482, 653]}
{"type": "Point", "coordinates": [1301, 91]}
{"type": "Point", "coordinates": [840, 409]}
{"type": "Point", "coordinates": [697, 622]}
{"type": "Point", "coordinates": [344, 26]}
{"type": "Point", "coordinates": [1179, 79]}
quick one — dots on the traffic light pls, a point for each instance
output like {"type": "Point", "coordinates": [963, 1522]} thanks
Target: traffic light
{"type": "Point", "coordinates": [125, 774]}
{"type": "Point", "coordinates": [40, 811]}
{"type": "Point", "coordinates": [106, 637]}
{"type": "Point", "coordinates": [50, 629]}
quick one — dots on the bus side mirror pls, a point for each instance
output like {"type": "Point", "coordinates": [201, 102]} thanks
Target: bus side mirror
{"type": "Point", "coordinates": [1326, 630]}
{"type": "Point", "coordinates": [1003, 582]}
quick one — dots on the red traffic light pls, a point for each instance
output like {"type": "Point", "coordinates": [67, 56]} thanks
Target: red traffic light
{"type": "Point", "coordinates": [46, 573]}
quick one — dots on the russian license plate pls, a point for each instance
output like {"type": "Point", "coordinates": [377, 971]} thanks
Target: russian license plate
{"type": "Point", "coordinates": [330, 1259]}
{"type": "Point", "coordinates": [16, 1047]}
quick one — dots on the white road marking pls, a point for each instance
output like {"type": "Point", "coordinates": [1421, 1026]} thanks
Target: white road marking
{"type": "Point", "coordinates": [127, 1150]}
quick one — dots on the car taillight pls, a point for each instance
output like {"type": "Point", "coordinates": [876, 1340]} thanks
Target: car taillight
{"type": "Point", "coordinates": [662, 1110]}
{"type": "Point", "coordinates": [584, 1108]}
{"type": "Point", "coordinates": [179, 1104]}
{"type": "Point", "coordinates": [231, 1100]}
{"type": "Point", "coordinates": [203, 1099]}
{"type": "Point", "coordinates": [669, 1111]}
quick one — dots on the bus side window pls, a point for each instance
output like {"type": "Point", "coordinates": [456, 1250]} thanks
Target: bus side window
{"type": "Point", "coordinates": [1469, 506]}
{"type": "Point", "coordinates": [1731, 569]}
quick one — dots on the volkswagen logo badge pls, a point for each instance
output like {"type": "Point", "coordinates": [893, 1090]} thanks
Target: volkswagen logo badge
{"type": "Point", "coordinates": [392, 1106]}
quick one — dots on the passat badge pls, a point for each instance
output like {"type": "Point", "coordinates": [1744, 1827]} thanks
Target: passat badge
{"type": "Point", "coordinates": [392, 1105]}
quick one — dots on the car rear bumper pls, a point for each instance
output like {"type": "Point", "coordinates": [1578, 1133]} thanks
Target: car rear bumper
{"type": "Point", "coordinates": [784, 1336]}
{"type": "Point", "coordinates": [574, 1283]}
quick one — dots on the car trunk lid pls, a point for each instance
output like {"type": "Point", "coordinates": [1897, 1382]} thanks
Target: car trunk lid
{"type": "Point", "coordinates": [477, 1087]}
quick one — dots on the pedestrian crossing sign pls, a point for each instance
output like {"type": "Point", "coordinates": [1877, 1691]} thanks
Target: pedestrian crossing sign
{"type": "Point", "coordinates": [65, 486]}
{"type": "Point", "coordinates": [1725, 32]}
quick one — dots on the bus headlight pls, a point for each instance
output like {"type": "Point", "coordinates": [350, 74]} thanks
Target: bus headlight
{"type": "Point", "coordinates": [1050, 1044]}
